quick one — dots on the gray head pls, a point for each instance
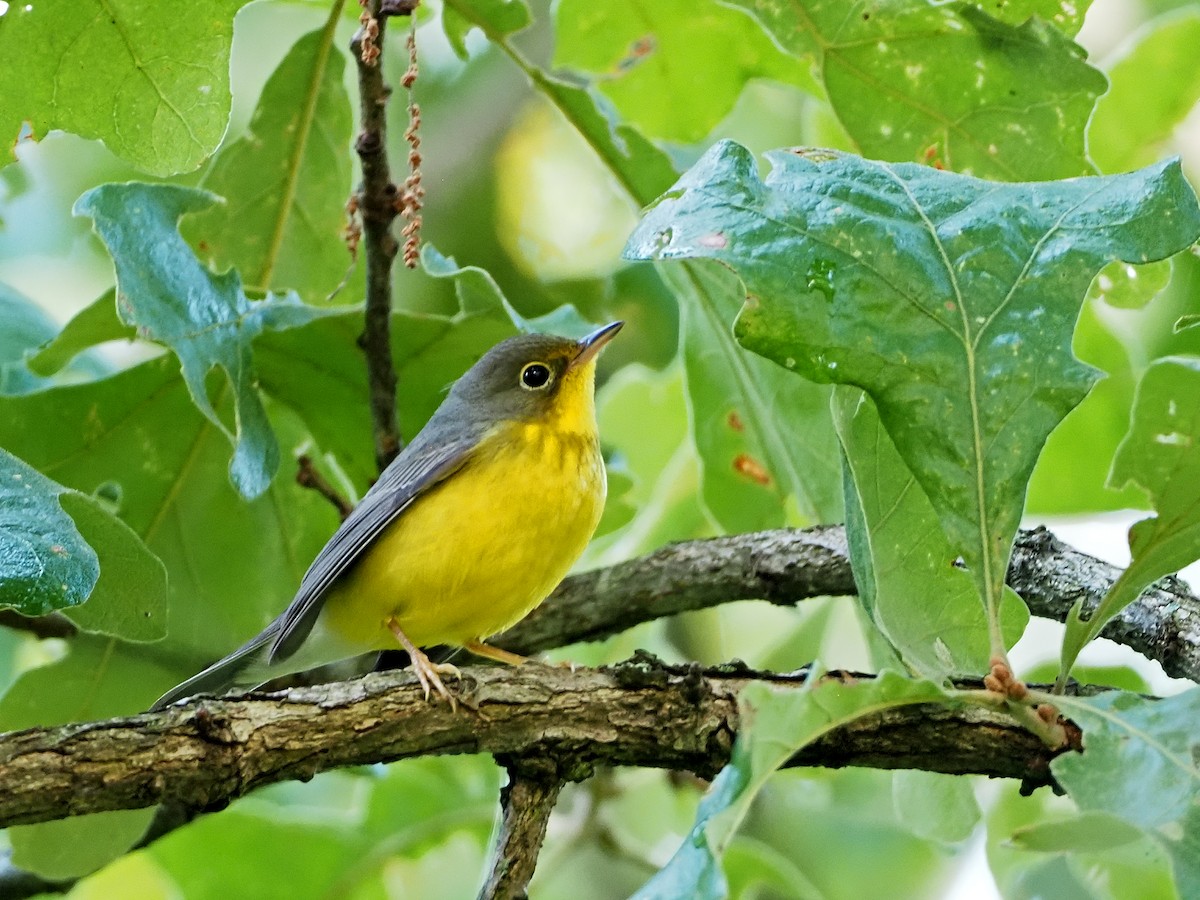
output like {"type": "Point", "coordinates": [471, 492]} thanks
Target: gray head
{"type": "Point", "coordinates": [532, 376]}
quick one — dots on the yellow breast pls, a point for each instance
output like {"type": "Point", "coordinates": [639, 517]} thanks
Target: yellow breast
{"type": "Point", "coordinates": [476, 553]}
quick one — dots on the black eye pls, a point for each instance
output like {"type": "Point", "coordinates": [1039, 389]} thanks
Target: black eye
{"type": "Point", "coordinates": [535, 375]}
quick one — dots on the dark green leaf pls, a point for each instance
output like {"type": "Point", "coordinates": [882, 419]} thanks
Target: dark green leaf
{"type": "Point", "coordinates": [946, 83]}
{"type": "Point", "coordinates": [206, 319]}
{"type": "Point", "coordinates": [45, 564]}
{"type": "Point", "coordinates": [1161, 454]}
{"type": "Point", "coordinates": [149, 82]}
{"type": "Point", "coordinates": [285, 183]}
{"type": "Point", "coordinates": [950, 300]}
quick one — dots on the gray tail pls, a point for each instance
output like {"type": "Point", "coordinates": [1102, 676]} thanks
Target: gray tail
{"type": "Point", "coordinates": [221, 675]}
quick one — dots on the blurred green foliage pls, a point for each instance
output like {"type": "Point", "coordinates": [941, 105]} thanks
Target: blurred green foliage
{"type": "Point", "coordinates": [545, 129]}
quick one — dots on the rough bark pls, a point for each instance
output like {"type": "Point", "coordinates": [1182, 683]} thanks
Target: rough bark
{"type": "Point", "coordinates": [204, 754]}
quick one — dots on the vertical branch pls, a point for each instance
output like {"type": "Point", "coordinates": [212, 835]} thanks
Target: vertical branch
{"type": "Point", "coordinates": [526, 803]}
{"type": "Point", "coordinates": [376, 205]}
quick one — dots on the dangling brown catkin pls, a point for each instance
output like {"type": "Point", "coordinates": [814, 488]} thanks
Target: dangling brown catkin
{"type": "Point", "coordinates": [369, 50]}
{"type": "Point", "coordinates": [410, 201]}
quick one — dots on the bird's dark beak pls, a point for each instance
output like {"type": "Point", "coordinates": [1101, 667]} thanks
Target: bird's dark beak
{"type": "Point", "coordinates": [591, 345]}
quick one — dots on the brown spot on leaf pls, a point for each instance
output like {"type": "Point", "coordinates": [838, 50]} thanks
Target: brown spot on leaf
{"type": "Point", "coordinates": [638, 50]}
{"type": "Point", "coordinates": [735, 421]}
{"type": "Point", "coordinates": [747, 465]}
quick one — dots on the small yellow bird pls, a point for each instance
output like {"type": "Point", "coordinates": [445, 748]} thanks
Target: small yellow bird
{"type": "Point", "coordinates": [471, 526]}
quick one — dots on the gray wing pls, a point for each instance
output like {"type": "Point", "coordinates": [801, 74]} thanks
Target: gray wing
{"type": "Point", "coordinates": [422, 464]}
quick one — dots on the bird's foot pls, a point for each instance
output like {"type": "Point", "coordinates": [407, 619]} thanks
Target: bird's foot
{"type": "Point", "coordinates": [487, 651]}
{"type": "Point", "coordinates": [428, 673]}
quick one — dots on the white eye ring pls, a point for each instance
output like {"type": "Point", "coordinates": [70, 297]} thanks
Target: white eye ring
{"type": "Point", "coordinates": [536, 376]}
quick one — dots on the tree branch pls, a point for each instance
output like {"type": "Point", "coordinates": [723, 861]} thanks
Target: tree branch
{"type": "Point", "coordinates": [785, 567]}
{"type": "Point", "coordinates": [376, 204]}
{"type": "Point", "coordinates": [308, 476]}
{"type": "Point", "coordinates": [205, 754]}
{"type": "Point", "coordinates": [527, 801]}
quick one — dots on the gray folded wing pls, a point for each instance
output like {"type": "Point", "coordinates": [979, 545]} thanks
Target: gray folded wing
{"type": "Point", "coordinates": [423, 463]}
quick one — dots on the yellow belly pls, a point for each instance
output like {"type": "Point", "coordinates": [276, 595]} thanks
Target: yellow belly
{"type": "Point", "coordinates": [477, 553]}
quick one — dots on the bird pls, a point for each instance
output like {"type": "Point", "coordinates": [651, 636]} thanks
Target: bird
{"type": "Point", "coordinates": [468, 529]}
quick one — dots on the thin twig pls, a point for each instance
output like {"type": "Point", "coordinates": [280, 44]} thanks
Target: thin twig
{"type": "Point", "coordinates": [526, 803]}
{"type": "Point", "coordinates": [376, 206]}
{"type": "Point", "coordinates": [308, 476]}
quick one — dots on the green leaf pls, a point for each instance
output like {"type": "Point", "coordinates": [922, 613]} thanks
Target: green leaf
{"type": "Point", "coordinates": [1123, 286]}
{"type": "Point", "coordinates": [947, 83]}
{"type": "Point", "coordinates": [775, 724]}
{"type": "Point", "coordinates": [934, 806]}
{"type": "Point", "coordinates": [755, 868]}
{"type": "Point", "coordinates": [45, 563]}
{"type": "Point", "coordinates": [478, 292]}
{"type": "Point", "coordinates": [130, 599]}
{"type": "Point", "coordinates": [948, 299]}
{"type": "Point", "coordinates": [233, 565]}
{"type": "Point", "coordinates": [641, 169]}
{"type": "Point", "coordinates": [496, 18]}
{"type": "Point", "coordinates": [96, 323]}
{"type": "Point", "coordinates": [100, 677]}
{"type": "Point", "coordinates": [924, 604]}
{"type": "Point", "coordinates": [1189, 321]}
{"type": "Point", "coordinates": [1139, 763]}
{"type": "Point", "coordinates": [1153, 87]}
{"type": "Point", "coordinates": [250, 848]}
{"type": "Point", "coordinates": [1161, 453]}
{"type": "Point", "coordinates": [70, 848]}
{"type": "Point", "coordinates": [206, 319]}
{"type": "Point", "coordinates": [673, 68]}
{"type": "Point", "coordinates": [1065, 481]}
{"type": "Point", "coordinates": [163, 77]}
{"type": "Point", "coordinates": [1089, 832]}
{"type": "Point", "coordinates": [25, 328]}
{"type": "Point", "coordinates": [285, 183]}
{"type": "Point", "coordinates": [765, 442]}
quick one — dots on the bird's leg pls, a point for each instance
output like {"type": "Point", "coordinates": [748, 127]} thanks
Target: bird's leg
{"type": "Point", "coordinates": [428, 673]}
{"type": "Point", "coordinates": [487, 651]}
